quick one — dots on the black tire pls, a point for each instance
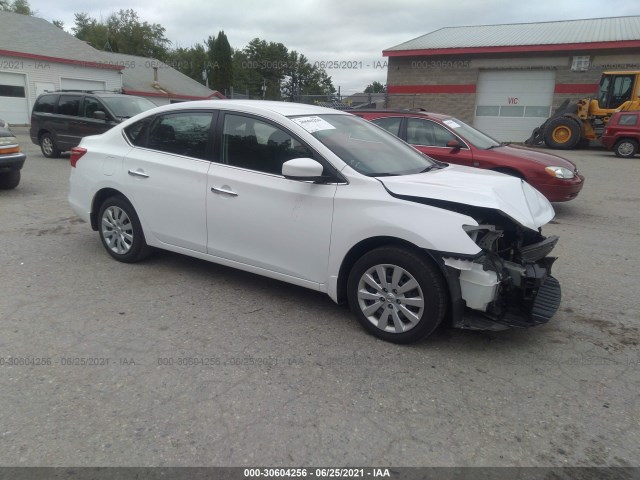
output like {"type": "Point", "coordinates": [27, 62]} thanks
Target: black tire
{"type": "Point", "coordinates": [401, 316]}
{"type": "Point", "coordinates": [48, 146]}
{"type": "Point", "coordinates": [562, 133]}
{"type": "Point", "coordinates": [626, 148]}
{"type": "Point", "coordinates": [9, 180]}
{"type": "Point", "coordinates": [120, 231]}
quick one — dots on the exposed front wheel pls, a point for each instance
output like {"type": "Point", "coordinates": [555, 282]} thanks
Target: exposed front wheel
{"type": "Point", "coordinates": [120, 231]}
{"type": "Point", "coordinates": [562, 133]}
{"type": "Point", "coordinates": [626, 148]}
{"type": "Point", "coordinates": [397, 294]}
{"type": "Point", "coordinates": [10, 179]}
{"type": "Point", "coordinates": [48, 146]}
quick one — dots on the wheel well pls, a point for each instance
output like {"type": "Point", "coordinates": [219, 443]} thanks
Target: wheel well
{"type": "Point", "coordinates": [363, 247]}
{"type": "Point", "coordinates": [98, 199]}
{"type": "Point", "coordinates": [42, 132]}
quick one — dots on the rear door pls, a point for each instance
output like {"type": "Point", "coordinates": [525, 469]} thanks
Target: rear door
{"type": "Point", "coordinates": [167, 176]}
{"type": "Point", "coordinates": [66, 125]}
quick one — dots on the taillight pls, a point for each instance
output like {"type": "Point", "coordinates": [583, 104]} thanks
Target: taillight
{"type": "Point", "coordinates": [76, 154]}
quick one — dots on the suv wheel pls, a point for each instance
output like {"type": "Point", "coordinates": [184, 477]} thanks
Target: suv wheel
{"type": "Point", "coordinates": [10, 179]}
{"type": "Point", "coordinates": [121, 232]}
{"type": "Point", "coordinates": [48, 146]}
{"type": "Point", "coordinates": [397, 294]}
{"type": "Point", "coordinates": [626, 148]}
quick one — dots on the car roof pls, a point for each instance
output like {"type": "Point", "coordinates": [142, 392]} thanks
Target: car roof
{"type": "Point", "coordinates": [256, 106]}
{"type": "Point", "coordinates": [400, 112]}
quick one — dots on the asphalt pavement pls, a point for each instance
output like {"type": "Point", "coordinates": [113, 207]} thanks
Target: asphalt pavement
{"type": "Point", "coordinates": [180, 362]}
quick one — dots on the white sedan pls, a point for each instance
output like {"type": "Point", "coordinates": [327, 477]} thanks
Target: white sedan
{"type": "Point", "coordinates": [326, 200]}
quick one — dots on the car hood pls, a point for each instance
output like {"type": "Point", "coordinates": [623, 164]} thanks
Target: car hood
{"type": "Point", "coordinates": [456, 186]}
{"type": "Point", "coordinates": [509, 152]}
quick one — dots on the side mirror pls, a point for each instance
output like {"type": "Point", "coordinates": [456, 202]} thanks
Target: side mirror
{"type": "Point", "coordinates": [305, 169]}
{"type": "Point", "coordinates": [454, 144]}
{"type": "Point", "coordinates": [99, 115]}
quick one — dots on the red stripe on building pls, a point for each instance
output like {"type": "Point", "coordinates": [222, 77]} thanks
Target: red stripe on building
{"type": "Point", "coordinates": [590, 88]}
{"type": "Point", "coordinates": [514, 49]}
{"type": "Point", "coordinates": [396, 89]}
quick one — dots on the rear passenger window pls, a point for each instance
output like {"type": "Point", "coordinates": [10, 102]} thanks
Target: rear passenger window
{"type": "Point", "coordinates": [629, 119]}
{"type": "Point", "coordinates": [390, 124]}
{"type": "Point", "coordinates": [45, 104]}
{"type": "Point", "coordinates": [69, 105]}
{"type": "Point", "coordinates": [256, 145]}
{"type": "Point", "coordinates": [182, 134]}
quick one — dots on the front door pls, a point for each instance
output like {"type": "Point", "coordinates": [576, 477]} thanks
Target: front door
{"type": "Point", "coordinates": [257, 217]}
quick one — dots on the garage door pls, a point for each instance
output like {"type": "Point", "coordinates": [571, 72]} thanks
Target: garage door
{"type": "Point", "coordinates": [13, 98]}
{"type": "Point", "coordinates": [510, 104]}
{"type": "Point", "coordinates": [79, 84]}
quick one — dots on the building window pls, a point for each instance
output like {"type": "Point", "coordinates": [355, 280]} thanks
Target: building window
{"type": "Point", "coordinates": [11, 91]}
{"type": "Point", "coordinates": [580, 63]}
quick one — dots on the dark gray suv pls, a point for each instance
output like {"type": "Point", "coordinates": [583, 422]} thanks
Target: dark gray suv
{"type": "Point", "coordinates": [59, 120]}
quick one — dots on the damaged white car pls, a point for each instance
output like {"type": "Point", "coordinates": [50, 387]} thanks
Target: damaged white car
{"type": "Point", "coordinates": [325, 200]}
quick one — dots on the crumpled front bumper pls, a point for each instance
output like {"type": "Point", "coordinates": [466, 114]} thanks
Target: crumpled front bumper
{"type": "Point", "coordinates": [488, 293]}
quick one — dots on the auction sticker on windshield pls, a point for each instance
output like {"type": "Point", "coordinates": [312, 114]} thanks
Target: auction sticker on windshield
{"type": "Point", "coordinates": [313, 124]}
{"type": "Point", "coordinates": [451, 123]}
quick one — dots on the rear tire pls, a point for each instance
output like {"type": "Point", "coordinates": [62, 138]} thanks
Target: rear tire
{"type": "Point", "coordinates": [397, 294]}
{"type": "Point", "coordinates": [48, 146]}
{"type": "Point", "coordinates": [626, 148]}
{"type": "Point", "coordinates": [120, 231]}
{"type": "Point", "coordinates": [9, 180]}
{"type": "Point", "coordinates": [562, 133]}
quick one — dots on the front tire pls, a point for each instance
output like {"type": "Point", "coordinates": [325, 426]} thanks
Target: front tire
{"type": "Point", "coordinates": [9, 180]}
{"type": "Point", "coordinates": [397, 294]}
{"type": "Point", "coordinates": [120, 231]}
{"type": "Point", "coordinates": [626, 148]}
{"type": "Point", "coordinates": [48, 146]}
{"type": "Point", "coordinates": [563, 133]}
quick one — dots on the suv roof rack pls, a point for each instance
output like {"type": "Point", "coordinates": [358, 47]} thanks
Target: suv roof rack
{"type": "Point", "coordinates": [76, 90]}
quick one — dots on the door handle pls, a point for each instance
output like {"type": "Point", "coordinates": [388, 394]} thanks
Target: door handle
{"type": "Point", "coordinates": [138, 173]}
{"type": "Point", "coordinates": [224, 190]}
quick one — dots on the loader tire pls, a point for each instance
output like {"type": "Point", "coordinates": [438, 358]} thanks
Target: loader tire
{"type": "Point", "coordinates": [563, 133]}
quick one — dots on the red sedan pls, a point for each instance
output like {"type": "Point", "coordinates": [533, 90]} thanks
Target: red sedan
{"type": "Point", "coordinates": [450, 140]}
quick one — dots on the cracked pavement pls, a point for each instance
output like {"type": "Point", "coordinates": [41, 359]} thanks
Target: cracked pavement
{"type": "Point", "coordinates": [180, 362]}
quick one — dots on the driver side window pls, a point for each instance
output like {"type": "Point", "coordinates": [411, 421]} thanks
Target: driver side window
{"type": "Point", "coordinates": [256, 145]}
{"type": "Point", "coordinates": [427, 133]}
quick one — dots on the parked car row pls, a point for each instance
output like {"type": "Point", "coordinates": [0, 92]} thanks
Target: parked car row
{"type": "Point", "coordinates": [325, 200]}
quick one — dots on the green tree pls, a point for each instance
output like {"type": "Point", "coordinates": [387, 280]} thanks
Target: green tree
{"type": "Point", "coordinates": [123, 32]}
{"type": "Point", "coordinates": [302, 79]}
{"type": "Point", "coordinates": [59, 24]}
{"type": "Point", "coordinates": [375, 87]}
{"type": "Point", "coordinates": [221, 64]}
{"type": "Point", "coordinates": [17, 6]}
{"type": "Point", "coordinates": [192, 61]}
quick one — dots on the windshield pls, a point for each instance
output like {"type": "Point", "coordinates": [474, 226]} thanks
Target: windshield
{"type": "Point", "coordinates": [364, 146]}
{"type": "Point", "coordinates": [476, 137]}
{"type": "Point", "coordinates": [127, 106]}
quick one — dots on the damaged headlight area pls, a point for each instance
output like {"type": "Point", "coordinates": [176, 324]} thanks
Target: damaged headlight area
{"type": "Point", "coordinates": [509, 284]}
